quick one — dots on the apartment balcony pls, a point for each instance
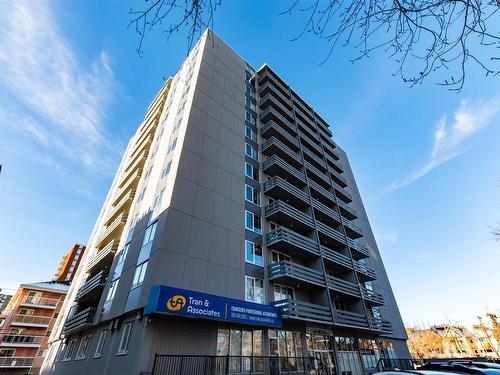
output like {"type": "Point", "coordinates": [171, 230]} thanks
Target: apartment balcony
{"type": "Point", "coordinates": [342, 193]}
{"type": "Point", "coordinates": [92, 289]}
{"type": "Point", "coordinates": [323, 195]}
{"type": "Point", "coordinates": [347, 211]}
{"type": "Point", "coordinates": [288, 216]}
{"type": "Point", "coordinates": [323, 127]}
{"type": "Point", "coordinates": [79, 320]}
{"type": "Point", "coordinates": [329, 235]}
{"type": "Point", "coordinates": [21, 341]}
{"type": "Point", "coordinates": [374, 298]}
{"type": "Point", "coordinates": [350, 319]}
{"type": "Point", "coordinates": [267, 87]}
{"type": "Point", "coordinates": [312, 158]}
{"type": "Point", "coordinates": [334, 165]}
{"type": "Point", "coordinates": [113, 230]}
{"type": "Point", "coordinates": [317, 175]}
{"type": "Point", "coordinates": [269, 100]}
{"type": "Point", "coordinates": [272, 129]}
{"type": "Point", "coordinates": [271, 114]}
{"type": "Point", "coordinates": [352, 230]}
{"type": "Point", "coordinates": [267, 76]}
{"type": "Point", "coordinates": [122, 205]}
{"type": "Point", "coordinates": [380, 325]}
{"type": "Point", "coordinates": [364, 272]}
{"type": "Point", "coordinates": [359, 250]}
{"type": "Point", "coordinates": [293, 274]}
{"type": "Point", "coordinates": [275, 147]}
{"type": "Point", "coordinates": [292, 242]}
{"type": "Point", "coordinates": [338, 178]}
{"type": "Point", "coordinates": [303, 112]}
{"type": "Point", "coordinates": [306, 132]}
{"type": "Point", "coordinates": [130, 180]}
{"type": "Point", "coordinates": [40, 302]}
{"type": "Point", "coordinates": [325, 214]}
{"type": "Point", "coordinates": [305, 311]}
{"type": "Point", "coordinates": [275, 166]}
{"type": "Point", "coordinates": [144, 143]}
{"type": "Point", "coordinates": [331, 150]}
{"type": "Point", "coordinates": [104, 257]}
{"type": "Point", "coordinates": [337, 258]}
{"type": "Point", "coordinates": [344, 287]}
{"type": "Point", "coordinates": [279, 188]}
{"type": "Point", "coordinates": [36, 321]}
{"type": "Point", "coordinates": [310, 142]}
{"type": "Point", "coordinates": [137, 162]}
{"type": "Point", "coordinates": [16, 362]}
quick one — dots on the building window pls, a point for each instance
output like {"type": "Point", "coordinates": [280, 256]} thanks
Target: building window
{"type": "Point", "coordinates": [250, 134]}
{"type": "Point", "coordinates": [252, 222]}
{"type": "Point", "coordinates": [123, 348]}
{"type": "Point", "coordinates": [250, 104]}
{"type": "Point", "coordinates": [251, 171]}
{"type": "Point", "coordinates": [112, 290]}
{"type": "Point", "coordinates": [83, 347]}
{"type": "Point", "coordinates": [254, 289]}
{"type": "Point", "coordinates": [149, 234]}
{"type": "Point", "coordinates": [172, 146]}
{"type": "Point", "coordinates": [249, 117]}
{"type": "Point", "coordinates": [70, 350]}
{"type": "Point", "coordinates": [283, 292]}
{"type": "Point", "coordinates": [100, 344]}
{"type": "Point", "coordinates": [140, 272]}
{"type": "Point", "coordinates": [253, 253]}
{"type": "Point", "coordinates": [157, 199]}
{"type": "Point", "coordinates": [278, 257]}
{"type": "Point", "coordinates": [141, 195]}
{"type": "Point", "coordinates": [242, 343]}
{"type": "Point", "coordinates": [252, 195]}
{"type": "Point", "coordinates": [251, 152]}
{"type": "Point", "coordinates": [249, 92]}
{"type": "Point", "coordinates": [123, 254]}
{"type": "Point", "coordinates": [7, 352]}
{"type": "Point", "coordinates": [165, 170]}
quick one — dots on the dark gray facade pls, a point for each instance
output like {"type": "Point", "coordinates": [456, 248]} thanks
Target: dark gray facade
{"type": "Point", "coordinates": [262, 205]}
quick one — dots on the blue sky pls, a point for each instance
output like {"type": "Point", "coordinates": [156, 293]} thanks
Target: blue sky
{"type": "Point", "coordinates": [427, 161]}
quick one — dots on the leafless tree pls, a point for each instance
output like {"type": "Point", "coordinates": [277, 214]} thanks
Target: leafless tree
{"type": "Point", "coordinates": [175, 15]}
{"type": "Point", "coordinates": [422, 36]}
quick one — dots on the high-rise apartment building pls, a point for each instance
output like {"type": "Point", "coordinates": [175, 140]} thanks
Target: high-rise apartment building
{"type": "Point", "coordinates": [69, 263]}
{"type": "Point", "coordinates": [233, 227]}
{"type": "Point", "coordinates": [4, 300]}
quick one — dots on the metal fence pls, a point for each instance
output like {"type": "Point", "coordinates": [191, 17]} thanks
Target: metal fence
{"type": "Point", "coordinates": [236, 365]}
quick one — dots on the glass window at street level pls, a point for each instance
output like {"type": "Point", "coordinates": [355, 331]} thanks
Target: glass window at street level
{"type": "Point", "coordinates": [242, 342]}
{"type": "Point", "coordinates": [369, 353]}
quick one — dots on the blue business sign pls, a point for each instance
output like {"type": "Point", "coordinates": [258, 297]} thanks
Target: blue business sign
{"type": "Point", "coordinates": [182, 302]}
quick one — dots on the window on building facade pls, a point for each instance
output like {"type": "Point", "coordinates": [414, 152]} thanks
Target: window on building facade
{"type": "Point", "coordinates": [140, 272]}
{"type": "Point", "coordinates": [369, 353]}
{"type": "Point", "coordinates": [124, 340]}
{"type": "Point", "coordinates": [251, 151]}
{"type": "Point", "coordinates": [112, 290]}
{"type": "Point", "coordinates": [100, 344]}
{"type": "Point", "coordinates": [83, 347]}
{"type": "Point", "coordinates": [243, 344]}
{"type": "Point", "coordinates": [249, 104]}
{"type": "Point", "coordinates": [157, 199]}
{"type": "Point", "coordinates": [276, 256]}
{"type": "Point", "coordinates": [250, 134]}
{"type": "Point", "coordinates": [251, 171]}
{"type": "Point", "coordinates": [253, 253]}
{"type": "Point", "coordinates": [172, 146]}
{"type": "Point", "coordinates": [288, 346]}
{"type": "Point", "coordinates": [254, 289]}
{"type": "Point", "coordinates": [7, 352]}
{"type": "Point", "coordinates": [283, 292]}
{"type": "Point", "coordinates": [250, 118]}
{"type": "Point", "coordinates": [252, 222]}
{"type": "Point", "coordinates": [70, 350]}
{"type": "Point", "coordinates": [149, 233]}
{"type": "Point", "coordinates": [165, 170]}
{"type": "Point", "coordinates": [249, 91]}
{"type": "Point", "coordinates": [123, 254]}
{"type": "Point", "coordinates": [252, 195]}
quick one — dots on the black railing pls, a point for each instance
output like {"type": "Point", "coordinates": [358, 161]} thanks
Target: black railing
{"type": "Point", "coordinates": [241, 365]}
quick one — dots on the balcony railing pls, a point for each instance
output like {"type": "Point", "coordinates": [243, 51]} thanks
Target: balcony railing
{"type": "Point", "coordinates": [271, 114]}
{"type": "Point", "coordinates": [277, 166]}
{"type": "Point", "coordinates": [138, 160]}
{"type": "Point", "coordinates": [336, 257]}
{"type": "Point", "coordinates": [343, 286]}
{"type": "Point", "coordinates": [266, 76]}
{"type": "Point", "coordinates": [270, 100]}
{"type": "Point", "coordinates": [347, 210]}
{"type": "Point", "coordinates": [128, 180]}
{"type": "Point", "coordinates": [321, 177]}
{"type": "Point", "coordinates": [373, 297]}
{"type": "Point", "coordinates": [21, 341]}
{"type": "Point", "coordinates": [353, 230]}
{"type": "Point", "coordinates": [79, 320]}
{"type": "Point", "coordinates": [279, 188]}
{"type": "Point", "coordinates": [341, 180]}
{"type": "Point", "coordinates": [16, 362]}
{"type": "Point", "coordinates": [103, 257]}
{"type": "Point", "coordinates": [330, 215]}
{"type": "Point", "coordinates": [40, 302]}
{"type": "Point", "coordinates": [328, 148]}
{"type": "Point", "coordinates": [272, 129]}
{"type": "Point", "coordinates": [285, 270]}
{"type": "Point", "coordinates": [348, 318]}
{"type": "Point", "coordinates": [31, 320]}
{"type": "Point", "coordinates": [342, 193]}
{"type": "Point", "coordinates": [312, 158]}
{"type": "Point", "coordinates": [109, 231]}
{"type": "Point", "coordinates": [361, 249]}
{"type": "Point", "coordinates": [92, 288]}
{"type": "Point", "coordinates": [269, 88]}
{"type": "Point", "coordinates": [299, 310]}
{"type": "Point", "coordinates": [285, 214]}
{"type": "Point", "coordinates": [273, 146]}
{"type": "Point", "coordinates": [366, 272]}
{"type": "Point", "coordinates": [379, 324]}
{"type": "Point", "coordinates": [283, 238]}
{"type": "Point", "coordinates": [123, 203]}
{"type": "Point", "coordinates": [330, 232]}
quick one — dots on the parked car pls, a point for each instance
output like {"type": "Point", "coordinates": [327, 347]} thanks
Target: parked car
{"type": "Point", "coordinates": [459, 367]}
{"type": "Point", "coordinates": [492, 365]}
{"type": "Point", "coordinates": [415, 372]}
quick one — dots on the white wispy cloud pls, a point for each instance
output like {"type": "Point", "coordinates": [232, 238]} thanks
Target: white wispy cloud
{"type": "Point", "coordinates": [48, 94]}
{"type": "Point", "coordinates": [451, 138]}
{"type": "Point", "coordinates": [386, 236]}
